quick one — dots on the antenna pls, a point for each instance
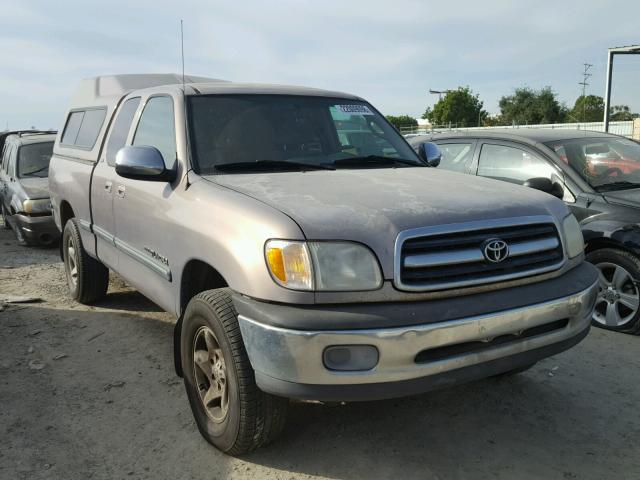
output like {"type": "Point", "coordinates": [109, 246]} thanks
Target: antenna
{"type": "Point", "coordinates": [182, 50]}
{"type": "Point", "coordinates": [184, 105]}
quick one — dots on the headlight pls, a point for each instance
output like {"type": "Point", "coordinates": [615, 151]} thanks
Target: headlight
{"type": "Point", "coordinates": [344, 266]}
{"type": "Point", "coordinates": [37, 206]}
{"type": "Point", "coordinates": [574, 241]}
{"type": "Point", "coordinates": [322, 266]}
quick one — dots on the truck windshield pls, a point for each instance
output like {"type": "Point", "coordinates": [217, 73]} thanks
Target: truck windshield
{"type": "Point", "coordinates": [33, 159]}
{"type": "Point", "coordinates": [239, 133]}
{"type": "Point", "coordinates": [606, 163]}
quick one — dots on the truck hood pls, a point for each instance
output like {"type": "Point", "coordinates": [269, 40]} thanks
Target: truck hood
{"type": "Point", "coordinates": [35, 187]}
{"type": "Point", "coordinates": [372, 206]}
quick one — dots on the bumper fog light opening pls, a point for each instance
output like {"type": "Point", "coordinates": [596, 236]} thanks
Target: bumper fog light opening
{"type": "Point", "coordinates": [350, 358]}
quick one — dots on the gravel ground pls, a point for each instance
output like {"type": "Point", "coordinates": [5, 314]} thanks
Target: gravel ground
{"type": "Point", "coordinates": [90, 393]}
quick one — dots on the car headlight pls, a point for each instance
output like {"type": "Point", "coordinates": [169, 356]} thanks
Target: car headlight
{"type": "Point", "coordinates": [574, 241]}
{"type": "Point", "coordinates": [322, 266]}
{"type": "Point", "coordinates": [37, 206]}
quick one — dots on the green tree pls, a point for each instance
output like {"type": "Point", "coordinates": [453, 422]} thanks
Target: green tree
{"type": "Point", "coordinates": [402, 121]}
{"type": "Point", "coordinates": [621, 112]}
{"type": "Point", "coordinates": [587, 109]}
{"type": "Point", "coordinates": [460, 107]}
{"type": "Point", "coordinates": [527, 106]}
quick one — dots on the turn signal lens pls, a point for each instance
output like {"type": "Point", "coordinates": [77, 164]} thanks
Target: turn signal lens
{"type": "Point", "coordinates": [276, 263]}
{"type": "Point", "coordinates": [289, 264]}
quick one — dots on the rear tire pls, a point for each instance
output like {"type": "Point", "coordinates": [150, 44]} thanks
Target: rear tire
{"type": "Point", "coordinates": [88, 279]}
{"type": "Point", "coordinates": [618, 304]}
{"type": "Point", "coordinates": [231, 412]}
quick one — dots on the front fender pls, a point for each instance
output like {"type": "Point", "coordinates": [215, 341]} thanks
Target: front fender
{"type": "Point", "coordinates": [608, 232]}
{"type": "Point", "coordinates": [15, 203]}
{"type": "Point", "coordinates": [227, 230]}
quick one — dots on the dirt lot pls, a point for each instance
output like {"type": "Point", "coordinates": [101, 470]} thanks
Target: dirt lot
{"type": "Point", "coordinates": [90, 392]}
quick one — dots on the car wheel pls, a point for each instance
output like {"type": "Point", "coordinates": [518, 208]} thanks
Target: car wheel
{"type": "Point", "coordinates": [88, 279]}
{"type": "Point", "coordinates": [5, 219]}
{"type": "Point", "coordinates": [618, 305]}
{"type": "Point", "coordinates": [230, 411]}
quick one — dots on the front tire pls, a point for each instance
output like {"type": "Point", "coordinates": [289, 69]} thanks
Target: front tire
{"type": "Point", "coordinates": [618, 304]}
{"type": "Point", "coordinates": [231, 412]}
{"type": "Point", "coordinates": [5, 219]}
{"type": "Point", "coordinates": [88, 279]}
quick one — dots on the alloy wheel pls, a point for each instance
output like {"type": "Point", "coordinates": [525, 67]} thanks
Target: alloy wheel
{"type": "Point", "coordinates": [72, 262]}
{"type": "Point", "coordinates": [618, 297]}
{"type": "Point", "coordinates": [210, 373]}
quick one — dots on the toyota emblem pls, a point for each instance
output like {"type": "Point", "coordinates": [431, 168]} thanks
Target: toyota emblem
{"type": "Point", "coordinates": [495, 250]}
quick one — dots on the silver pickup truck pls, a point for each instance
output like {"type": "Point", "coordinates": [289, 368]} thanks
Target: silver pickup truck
{"type": "Point", "coordinates": [306, 250]}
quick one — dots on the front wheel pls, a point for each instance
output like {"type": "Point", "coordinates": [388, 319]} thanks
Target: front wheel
{"type": "Point", "coordinates": [88, 279]}
{"type": "Point", "coordinates": [617, 306]}
{"type": "Point", "coordinates": [5, 219]}
{"type": "Point", "coordinates": [230, 411]}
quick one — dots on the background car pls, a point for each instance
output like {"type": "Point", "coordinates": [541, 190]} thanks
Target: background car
{"type": "Point", "coordinates": [24, 187]}
{"type": "Point", "coordinates": [598, 177]}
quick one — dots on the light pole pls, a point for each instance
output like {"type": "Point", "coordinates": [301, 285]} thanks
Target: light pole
{"type": "Point", "coordinates": [439, 93]}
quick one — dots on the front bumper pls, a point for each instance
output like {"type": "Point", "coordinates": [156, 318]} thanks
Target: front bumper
{"type": "Point", "coordinates": [421, 357]}
{"type": "Point", "coordinates": [40, 229]}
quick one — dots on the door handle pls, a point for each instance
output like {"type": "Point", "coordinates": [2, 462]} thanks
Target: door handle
{"type": "Point", "coordinates": [107, 186]}
{"type": "Point", "coordinates": [121, 190]}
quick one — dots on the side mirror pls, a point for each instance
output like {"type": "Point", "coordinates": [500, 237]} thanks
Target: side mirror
{"type": "Point", "coordinates": [143, 163]}
{"type": "Point", "coordinates": [545, 185]}
{"type": "Point", "coordinates": [430, 153]}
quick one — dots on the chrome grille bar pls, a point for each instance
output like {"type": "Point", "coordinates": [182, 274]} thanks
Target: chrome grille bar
{"type": "Point", "coordinates": [449, 256]}
{"type": "Point", "coordinates": [475, 255]}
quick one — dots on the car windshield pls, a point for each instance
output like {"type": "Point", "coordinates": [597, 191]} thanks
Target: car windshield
{"type": "Point", "coordinates": [33, 159]}
{"type": "Point", "coordinates": [606, 163]}
{"type": "Point", "coordinates": [239, 133]}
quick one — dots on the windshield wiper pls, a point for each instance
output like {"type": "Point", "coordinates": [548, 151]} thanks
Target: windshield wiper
{"type": "Point", "coordinates": [375, 160]}
{"type": "Point", "coordinates": [620, 185]}
{"type": "Point", "coordinates": [269, 165]}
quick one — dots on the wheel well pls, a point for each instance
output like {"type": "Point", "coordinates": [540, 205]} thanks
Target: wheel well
{"type": "Point", "coordinates": [66, 213]}
{"type": "Point", "coordinates": [600, 243]}
{"type": "Point", "coordinates": [197, 277]}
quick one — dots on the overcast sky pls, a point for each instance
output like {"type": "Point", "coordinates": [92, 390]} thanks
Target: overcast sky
{"type": "Point", "coordinates": [390, 52]}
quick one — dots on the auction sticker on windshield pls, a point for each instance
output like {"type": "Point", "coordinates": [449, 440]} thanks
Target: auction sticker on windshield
{"type": "Point", "coordinates": [355, 109]}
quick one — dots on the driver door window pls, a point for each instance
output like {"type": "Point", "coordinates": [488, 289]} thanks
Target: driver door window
{"type": "Point", "coordinates": [513, 164]}
{"type": "Point", "coordinates": [456, 156]}
{"type": "Point", "coordinates": [156, 128]}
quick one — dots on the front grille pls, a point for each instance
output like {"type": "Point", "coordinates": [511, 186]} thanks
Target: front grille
{"type": "Point", "coordinates": [450, 256]}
